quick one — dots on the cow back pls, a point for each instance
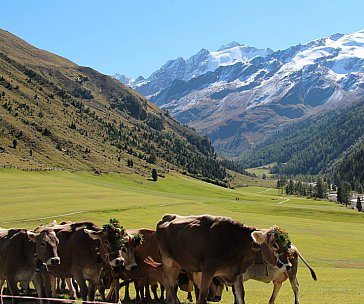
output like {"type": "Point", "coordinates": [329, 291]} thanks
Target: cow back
{"type": "Point", "coordinates": [200, 242]}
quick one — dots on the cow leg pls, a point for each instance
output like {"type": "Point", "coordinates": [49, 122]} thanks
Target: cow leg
{"type": "Point", "coordinates": [147, 295]}
{"type": "Point", "coordinates": [71, 288]}
{"type": "Point", "coordinates": [197, 292]}
{"type": "Point", "coordinates": [277, 286]}
{"type": "Point", "coordinates": [91, 290]}
{"type": "Point", "coordinates": [127, 294]}
{"type": "Point", "coordinates": [294, 285]}
{"type": "Point", "coordinates": [53, 285]}
{"type": "Point", "coordinates": [13, 288]}
{"type": "Point", "coordinates": [116, 285]}
{"type": "Point", "coordinates": [239, 291]}
{"type": "Point", "coordinates": [189, 296]}
{"type": "Point", "coordinates": [162, 292]}
{"type": "Point", "coordinates": [170, 275]}
{"type": "Point", "coordinates": [1, 285]}
{"type": "Point", "coordinates": [83, 287]}
{"type": "Point", "coordinates": [206, 280]}
{"type": "Point", "coordinates": [110, 293]}
{"type": "Point", "coordinates": [39, 286]}
{"type": "Point", "coordinates": [154, 288]}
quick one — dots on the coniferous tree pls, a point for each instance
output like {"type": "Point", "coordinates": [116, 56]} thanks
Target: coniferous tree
{"type": "Point", "coordinates": [154, 175]}
{"type": "Point", "coordinates": [346, 189]}
{"type": "Point", "coordinates": [339, 196]}
{"type": "Point", "coordinates": [358, 204]}
{"type": "Point", "coordinates": [320, 188]}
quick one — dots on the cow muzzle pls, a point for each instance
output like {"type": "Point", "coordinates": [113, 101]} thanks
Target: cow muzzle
{"type": "Point", "coordinates": [53, 261]}
{"type": "Point", "coordinates": [117, 262]}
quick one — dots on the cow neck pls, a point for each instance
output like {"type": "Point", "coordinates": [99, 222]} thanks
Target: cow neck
{"type": "Point", "coordinates": [105, 255]}
{"type": "Point", "coordinates": [28, 248]}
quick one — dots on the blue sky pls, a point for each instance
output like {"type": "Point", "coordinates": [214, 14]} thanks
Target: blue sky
{"type": "Point", "coordinates": [136, 37]}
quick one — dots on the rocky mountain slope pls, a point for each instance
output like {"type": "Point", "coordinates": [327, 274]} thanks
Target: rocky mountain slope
{"type": "Point", "coordinates": [240, 103]}
{"type": "Point", "coordinates": [54, 113]}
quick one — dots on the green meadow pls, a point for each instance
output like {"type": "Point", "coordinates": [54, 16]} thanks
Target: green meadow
{"type": "Point", "coordinates": [329, 236]}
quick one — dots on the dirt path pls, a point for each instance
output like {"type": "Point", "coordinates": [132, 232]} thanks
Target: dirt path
{"type": "Point", "coordinates": [44, 218]}
{"type": "Point", "coordinates": [266, 190]}
{"type": "Point", "coordinates": [284, 201]}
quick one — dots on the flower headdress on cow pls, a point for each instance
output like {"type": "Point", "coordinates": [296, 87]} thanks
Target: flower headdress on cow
{"type": "Point", "coordinates": [134, 240]}
{"type": "Point", "coordinates": [282, 238]}
{"type": "Point", "coordinates": [119, 237]}
{"type": "Point", "coordinates": [116, 233]}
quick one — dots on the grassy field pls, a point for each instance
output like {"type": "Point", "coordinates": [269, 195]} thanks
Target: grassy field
{"type": "Point", "coordinates": [329, 236]}
{"type": "Point", "coordinates": [259, 171]}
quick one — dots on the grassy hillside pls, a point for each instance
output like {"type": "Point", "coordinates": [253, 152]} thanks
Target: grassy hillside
{"type": "Point", "coordinates": [56, 114]}
{"type": "Point", "coordinates": [328, 235]}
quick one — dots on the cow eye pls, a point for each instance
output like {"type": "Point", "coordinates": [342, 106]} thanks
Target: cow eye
{"type": "Point", "coordinates": [107, 243]}
{"type": "Point", "coordinates": [275, 246]}
{"type": "Point", "coordinates": [43, 244]}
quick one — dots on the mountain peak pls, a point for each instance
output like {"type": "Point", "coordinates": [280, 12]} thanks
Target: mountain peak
{"type": "Point", "coordinates": [229, 46]}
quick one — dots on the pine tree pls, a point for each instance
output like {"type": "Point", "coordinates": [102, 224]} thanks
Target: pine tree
{"type": "Point", "coordinates": [154, 175]}
{"type": "Point", "coordinates": [346, 189]}
{"type": "Point", "coordinates": [320, 188]}
{"type": "Point", "coordinates": [358, 204]}
{"type": "Point", "coordinates": [339, 197]}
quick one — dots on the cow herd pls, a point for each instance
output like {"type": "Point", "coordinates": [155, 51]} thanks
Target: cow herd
{"type": "Point", "coordinates": [206, 252]}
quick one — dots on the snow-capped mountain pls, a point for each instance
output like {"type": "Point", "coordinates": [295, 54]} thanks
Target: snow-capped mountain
{"type": "Point", "coordinates": [199, 64]}
{"type": "Point", "coordinates": [237, 95]}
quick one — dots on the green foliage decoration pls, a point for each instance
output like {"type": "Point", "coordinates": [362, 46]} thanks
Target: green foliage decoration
{"type": "Point", "coordinates": [116, 233]}
{"type": "Point", "coordinates": [282, 238]}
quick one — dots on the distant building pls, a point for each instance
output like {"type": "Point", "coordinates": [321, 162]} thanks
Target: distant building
{"type": "Point", "coordinates": [332, 197]}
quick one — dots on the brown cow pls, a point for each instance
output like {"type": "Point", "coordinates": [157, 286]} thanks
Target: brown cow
{"type": "Point", "coordinates": [83, 247]}
{"type": "Point", "coordinates": [266, 274]}
{"type": "Point", "coordinates": [143, 275]}
{"type": "Point", "coordinates": [146, 275]}
{"type": "Point", "coordinates": [18, 249]}
{"type": "Point", "coordinates": [215, 246]}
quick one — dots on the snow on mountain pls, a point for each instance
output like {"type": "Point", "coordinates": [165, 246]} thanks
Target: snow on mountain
{"type": "Point", "coordinates": [239, 94]}
{"type": "Point", "coordinates": [197, 65]}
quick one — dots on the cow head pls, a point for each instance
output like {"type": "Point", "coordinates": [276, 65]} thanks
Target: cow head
{"type": "Point", "coordinates": [275, 247]}
{"type": "Point", "coordinates": [117, 247]}
{"type": "Point", "coordinates": [46, 243]}
{"type": "Point", "coordinates": [130, 242]}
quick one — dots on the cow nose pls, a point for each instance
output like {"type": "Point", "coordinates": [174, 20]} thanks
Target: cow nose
{"type": "Point", "coordinates": [118, 262]}
{"type": "Point", "coordinates": [55, 261]}
{"type": "Point", "coordinates": [133, 267]}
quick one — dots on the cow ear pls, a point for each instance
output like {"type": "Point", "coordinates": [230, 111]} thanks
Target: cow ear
{"type": "Point", "coordinates": [95, 235]}
{"type": "Point", "coordinates": [31, 235]}
{"type": "Point", "coordinates": [259, 237]}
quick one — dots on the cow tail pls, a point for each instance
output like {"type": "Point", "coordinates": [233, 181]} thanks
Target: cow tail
{"type": "Point", "coordinates": [313, 274]}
